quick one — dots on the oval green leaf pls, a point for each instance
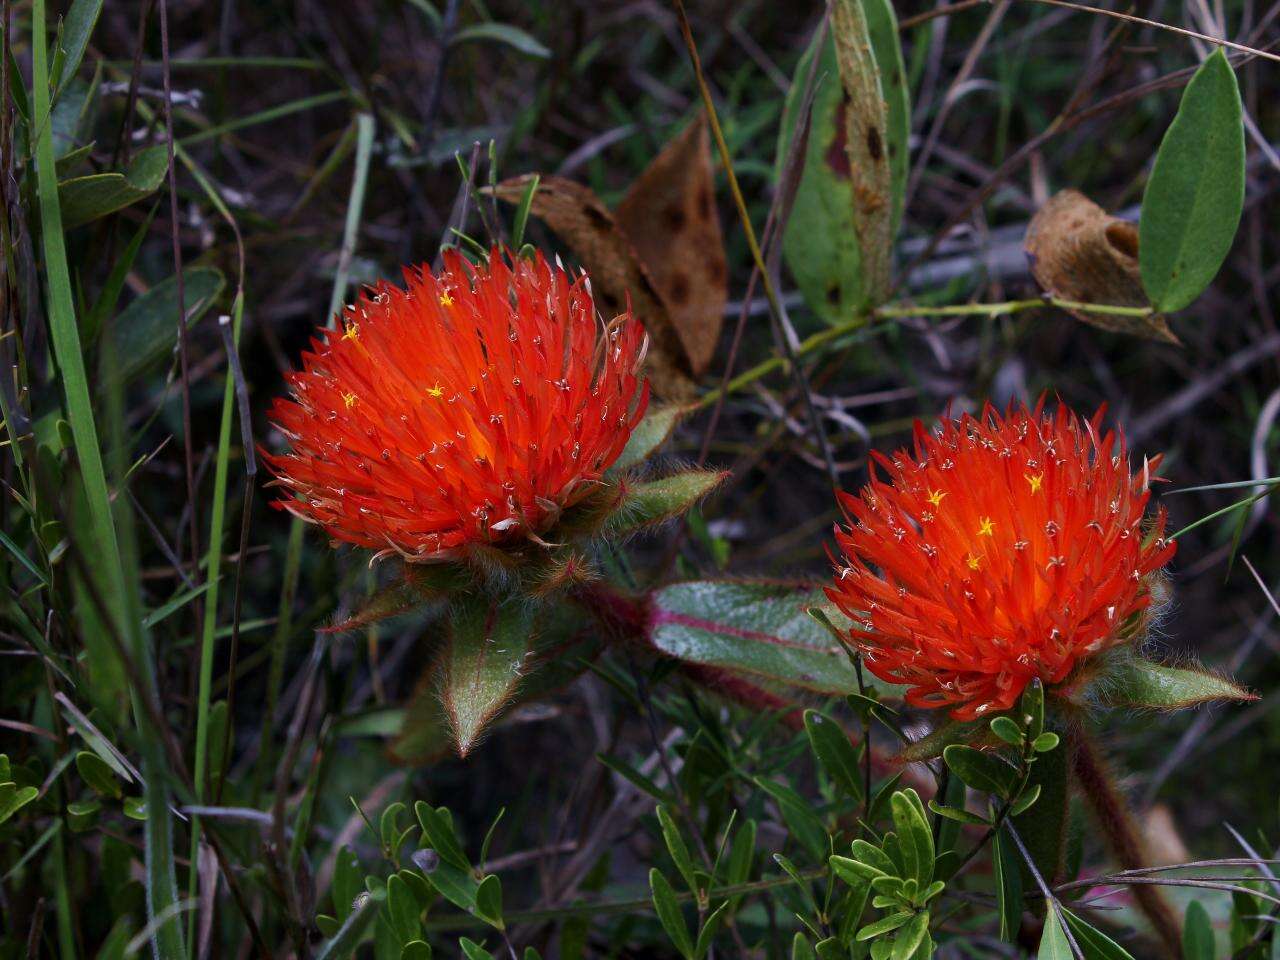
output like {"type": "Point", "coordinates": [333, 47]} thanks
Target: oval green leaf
{"type": "Point", "coordinates": [1193, 201]}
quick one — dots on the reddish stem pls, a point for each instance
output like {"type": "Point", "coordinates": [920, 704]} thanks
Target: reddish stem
{"type": "Point", "coordinates": [1112, 813]}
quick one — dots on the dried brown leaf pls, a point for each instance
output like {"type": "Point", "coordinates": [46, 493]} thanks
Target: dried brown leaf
{"type": "Point", "coordinates": [669, 215]}
{"type": "Point", "coordinates": [1080, 252]}
{"type": "Point", "coordinates": [578, 216]}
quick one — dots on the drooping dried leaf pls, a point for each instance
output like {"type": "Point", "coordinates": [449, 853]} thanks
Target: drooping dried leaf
{"type": "Point", "coordinates": [586, 225]}
{"type": "Point", "coordinates": [669, 215]}
{"type": "Point", "coordinates": [1079, 252]}
{"type": "Point", "coordinates": [866, 130]}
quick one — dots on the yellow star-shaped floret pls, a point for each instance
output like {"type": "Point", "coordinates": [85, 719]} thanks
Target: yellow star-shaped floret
{"type": "Point", "coordinates": [987, 528]}
{"type": "Point", "coordinates": [935, 498]}
{"type": "Point", "coordinates": [973, 561]}
{"type": "Point", "coordinates": [352, 331]}
{"type": "Point", "coordinates": [1035, 480]}
{"type": "Point", "coordinates": [437, 391]}
{"type": "Point", "coordinates": [350, 400]}
{"type": "Point", "coordinates": [445, 299]}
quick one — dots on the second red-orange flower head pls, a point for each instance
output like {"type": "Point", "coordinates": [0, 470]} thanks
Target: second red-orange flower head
{"type": "Point", "coordinates": [997, 550]}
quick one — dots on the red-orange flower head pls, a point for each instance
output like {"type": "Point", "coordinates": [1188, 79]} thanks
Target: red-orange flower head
{"type": "Point", "coordinates": [999, 550]}
{"type": "Point", "coordinates": [471, 407]}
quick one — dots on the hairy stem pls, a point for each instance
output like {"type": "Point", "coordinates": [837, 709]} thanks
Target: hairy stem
{"type": "Point", "coordinates": [1112, 813]}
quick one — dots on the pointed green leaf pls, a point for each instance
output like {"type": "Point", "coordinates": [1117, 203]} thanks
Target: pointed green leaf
{"type": "Point", "coordinates": [650, 433]}
{"type": "Point", "coordinates": [1193, 201]}
{"type": "Point", "coordinates": [1093, 943]}
{"type": "Point", "coordinates": [982, 771]}
{"type": "Point", "coordinates": [830, 744]}
{"type": "Point", "coordinates": [146, 330]}
{"type": "Point", "coordinates": [473, 951]}
{"type": "Point", "coordinates": [13, 798]}
{"type": "Point", "coordinates": [76, 29]}
{"type": "Point", "coordinates": [437, 828]}
{"type": "Point", "coordinates": [88, 198]}
{"type": "Point", "coordinates": [503, 33]}
{"type": "Point", "coordinates": [801, 949]}
{"type": "Point", "coordinates": [1007, 870]}
{"type": "Point", "coordinates": [677, 847]}
{"type": "Point", "coordinates": [1053, 941]}
{"type": "Point", "coordinates": [669, 915]}
{"type": "Point", "coordinates": [914, 836]}
{"type": "Point", "coordinates": [708, 932]}
{"type": "Point", "coordinates": [488, 641]}
{"type": "Point", "coordinates": [489, 901]}
{"type": "Point", "coordinates": [416, 950]}
{"type": "Point", "coordinates": [1144, 684]}
{"type": "Point", "coordinates": [655, 501]}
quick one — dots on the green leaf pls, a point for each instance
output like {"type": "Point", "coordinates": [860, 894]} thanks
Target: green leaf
{"type": "Point", "coordinates": [1007, 730]}
{"type": "Point", "coordinates": [76, 30]}
{"type": "Point", "coordinates": [1025, 802]}
{"type": "Point", "coordinates": [1193, 201]}
{"type": "Point", "coordinates": [87, 198]}
{"type": "Point", "coordinates": [1093, 943]}
{"type": "Point", "coordinates": [488, 642]}
{"type": "Point", "coordinates": [1046, 742]}
{"type": "Point", "coordinates": [83, 815]}
{"type": "Point", "coordinates": [669, 915]}
{"type": "Point", "coordinates": [416, 950]}
{"type": "Point", "coordinates": [1044, 826]}
{"type": "Point", "coordinates": [708, 932]}
{"type": "Point", "coordinates": [911, 936]}
{"type": "Point", "coordinates": [942, 736]}
{"type": "Point", "coordinates": [802, 823]}
{"type": "Point", "coordinates": [437, 827]}
{"type": "Point", "coordinates": [656, 501]}
{"type": "Point", "coordinates": [957, 814]}
{"type": "Point", "coordinates": [820, 244]}
{"type": "Point", "coordinates": [1053, 941]}
{"type": "Point", "coordinates": [473, 951]}
{"type": "Point", "coordinates": [753, 628]}
{"type": "Point", "coordinates": [801, 949]}
{"type": "Point", "coordinates": [649, 434]}
{"type": "Point", "coordinates": [97, 774]}
{"type": "Point", "coordinates": [884, 925]}
{"type": "Point", "coordinates": [830, 744]}
{"type": "Point", "coordinates": [402, 910]}
{"type": "Point", "coordinates": [348, 883]}
{"type": "Point", "coordinates": [489, 901]}
{"type": "Point", "coordinates": [459, 887]}
{"type": "Point", "coordinates": [982, 771]}
{"type": "Point", "coordinates": [677, 847]}
{"type": "Point", "coordinates": [886, 47]}
{"type": "Point", "coordinates": [1197, 933]}
{"type": "Point", "coordinates": [1144, 684]}
{"type": "Point", "coordinates": [741, 855]}
{"type": "Point", "coordinates": [147, 329]}
{"type": "Point", "coordinates": [513, 37]}
{"type": "Point", "coordinates": [1008, 880]}
{"type": "Point", "coordinates": [914, 836]}
{"type": "Point", "coordinates": [1032, 706]}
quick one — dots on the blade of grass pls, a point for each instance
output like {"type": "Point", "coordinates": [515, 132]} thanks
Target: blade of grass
{"type": "Point", "coordinates": [161, 887]}
{"type": "Point", "coordinates": [293, 552]}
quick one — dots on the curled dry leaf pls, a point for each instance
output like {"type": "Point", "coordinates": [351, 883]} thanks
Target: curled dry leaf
{"type": "Point", "coordinates": [669, 215]}
{"type": "Point", "coordinates": [586, 225]}
{"type": "Point", "coordinates": [1079, 252]}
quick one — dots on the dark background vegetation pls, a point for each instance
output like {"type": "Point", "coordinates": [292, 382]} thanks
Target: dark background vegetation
{"type": "Point", "coordinates": [986, 80]}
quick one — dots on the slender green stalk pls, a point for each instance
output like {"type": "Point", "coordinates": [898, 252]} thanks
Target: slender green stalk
{"type": "Point", "coordinates": [265, 116]}
{"type": "Point", "coordinates": [293, 552]}
{"type": "Point", "coordinates": [212, 576]}
{"type": "Point", "coordinates": [120, 594]}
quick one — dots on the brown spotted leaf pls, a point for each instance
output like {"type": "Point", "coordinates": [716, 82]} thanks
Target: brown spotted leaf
{"type": "Point", "coordinates": [578, 216]}
{"type": "Point", "coordinates": [1079, 252]}
{"type": "Point", "coordinates": [866, 129]}
{"type": "Point", "coordinates": [669, 215]}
